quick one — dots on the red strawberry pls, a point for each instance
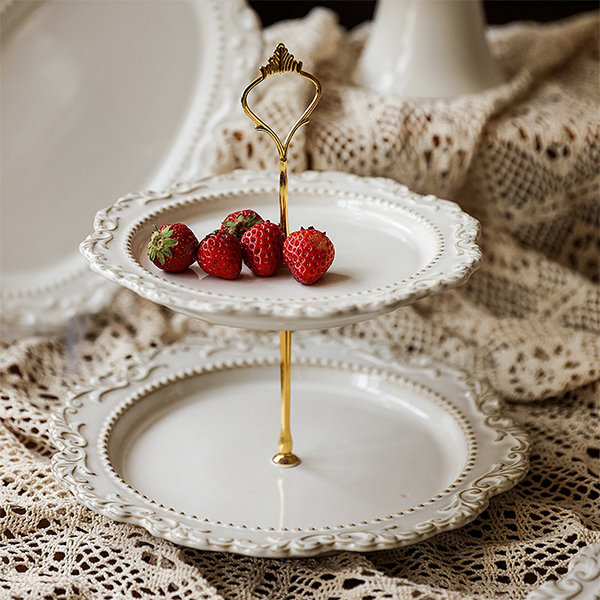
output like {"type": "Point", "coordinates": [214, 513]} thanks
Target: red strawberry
{"type": "Point", "coordinates": [261, 248]}
{"type": "Point", "coordinates": [173, 247]}
{"type": "Point", "coordinates": [308, 253]}
{"type": "Point", "coordinates": [238, 222]}
{"type": "Point", "coordinates": [220, 254]}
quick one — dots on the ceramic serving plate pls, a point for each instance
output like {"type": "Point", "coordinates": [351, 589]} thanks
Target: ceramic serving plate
{"type": "Point", "coordinates": [99, 98]}
{"type": "Point", "coordinates": [181, 444]}
{"type": "Point", "coordinates": [392, 245]}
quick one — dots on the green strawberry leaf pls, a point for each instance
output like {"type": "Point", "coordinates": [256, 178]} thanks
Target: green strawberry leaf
{"type": "Point", "coordinates": [160, 244]}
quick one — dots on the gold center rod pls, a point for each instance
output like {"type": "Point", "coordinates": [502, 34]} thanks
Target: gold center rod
{"type": "Point", "coordinates": [285, 457]}
{"type": "Point", "coordinates": [283, 196]}
{"type": "Point", "coordinates": [283, 62]}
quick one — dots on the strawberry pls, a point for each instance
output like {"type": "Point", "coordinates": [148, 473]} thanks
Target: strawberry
{"type": "Point", "coordinates": [220, 254]}
{"type": "Point", "coordinates": [261, 248]}
{"type": "Point", "coordinates": [238, 222]}
{"type": "Point", "coordinates": [173, 247]}
{"type": "Point", "coordinates": [308, 253]}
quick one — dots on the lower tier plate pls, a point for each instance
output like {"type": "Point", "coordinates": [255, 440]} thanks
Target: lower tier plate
{"type": "Point", "coordinates": [181, 444]}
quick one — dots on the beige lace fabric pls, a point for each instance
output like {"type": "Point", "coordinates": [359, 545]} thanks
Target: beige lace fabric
{"type": "Point", "coordinates": [524, 159]}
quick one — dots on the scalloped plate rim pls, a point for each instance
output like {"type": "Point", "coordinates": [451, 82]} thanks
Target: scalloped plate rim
{"type": "Point", "coordinates": [460, 254]}
{"type": "Point", "coordinates": [506, 464]}
{"type": "Point", "coordinates": [29, 306]}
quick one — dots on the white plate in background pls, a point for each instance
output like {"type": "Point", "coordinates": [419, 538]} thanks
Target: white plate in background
{"type": "Point", "coordinates": [98, 98]}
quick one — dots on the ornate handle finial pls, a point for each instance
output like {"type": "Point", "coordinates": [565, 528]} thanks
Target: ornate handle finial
{"type": "Point", "coordinates": [280, 62]}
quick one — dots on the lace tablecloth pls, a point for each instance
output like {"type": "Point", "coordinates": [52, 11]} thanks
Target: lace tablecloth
{"type": "Point", "coordinates": [524, 159]}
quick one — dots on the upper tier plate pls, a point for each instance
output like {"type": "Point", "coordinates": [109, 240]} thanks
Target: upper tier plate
{"type": "Point", "coordinates": [392, 247]}
{"type": "Point", "coordinates": [99, 98]}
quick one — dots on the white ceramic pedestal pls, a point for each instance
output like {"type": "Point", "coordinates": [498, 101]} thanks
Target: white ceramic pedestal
{"type": "Point", "coordinates": [428, 49]}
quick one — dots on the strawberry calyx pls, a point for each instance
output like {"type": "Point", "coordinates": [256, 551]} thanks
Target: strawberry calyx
{"type": "Point", "coordinates": [241, 223]}
{"type": "Point", "coordinates": [160, 244]}
{"type": "Point", "coordinates": [311, 228]}
{"type": "Point", "coordinates": [214, 232]}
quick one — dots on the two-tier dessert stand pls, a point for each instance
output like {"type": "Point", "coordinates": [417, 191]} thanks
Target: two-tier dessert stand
{"type": "Point", "coordinates": [385, 454]}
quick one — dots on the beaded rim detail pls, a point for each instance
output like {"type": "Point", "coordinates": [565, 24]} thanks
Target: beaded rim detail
{"type": "Point", "coordinates": [456, 254]}
{"type": "Point", "coordinates": [508, 462]}
{"type": "Point", "coordinates": [435, 397]}
{"type": "Point", "coordinates": [234, 34]}
{"type": "Point", "coordinates": [206, 198]}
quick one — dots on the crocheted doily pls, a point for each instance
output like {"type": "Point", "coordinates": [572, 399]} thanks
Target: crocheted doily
{"type": "Point", "coordinates": [524, 159]}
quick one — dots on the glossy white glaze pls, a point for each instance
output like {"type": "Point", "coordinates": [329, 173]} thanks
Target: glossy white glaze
{"type": "Point", "coordinates": [204, 446]}
{"type": "Point", "coordinates": [180, 443]}
{"type": "Point", "coordinates": [428, 49]}
{"type": "Point", "coordinates": [99, 98]}
{"type": "Point", "coordinates": [392, 247]}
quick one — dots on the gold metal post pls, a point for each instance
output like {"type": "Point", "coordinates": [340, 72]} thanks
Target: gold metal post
{"type": "Point", "coordinates": [283, 197]}
{"type": "Point", "coordinates": [285, 457]}
{"type": "Point", "coordinates": [281, 62]}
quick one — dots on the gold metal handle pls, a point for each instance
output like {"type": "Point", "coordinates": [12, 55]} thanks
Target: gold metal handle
{"type": "Point", "coordinates": [283, 62]}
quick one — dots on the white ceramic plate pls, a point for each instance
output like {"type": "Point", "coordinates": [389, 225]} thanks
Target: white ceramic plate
{"type": "Point", "coordinates": [99, 98]}
{"type": "Point", "coordinates": [181, 444]}
{"type": "Point", "coordinates": [393, 246]}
